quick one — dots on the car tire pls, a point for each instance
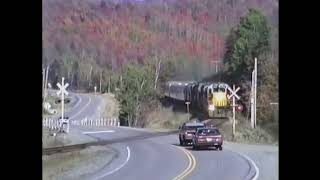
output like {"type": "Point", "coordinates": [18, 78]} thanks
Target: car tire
{"type": "Point", "coordinates": [194, 147]}
{"type": "Point", "coordinates": [220, 148]}
{"type": "Point", "coordinates": [184, 143]}
{"type": "Point", "coordinates": [181, 143]}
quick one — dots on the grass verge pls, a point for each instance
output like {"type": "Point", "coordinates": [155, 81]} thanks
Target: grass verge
{"type": "Point", "coordinates": [76, 165]}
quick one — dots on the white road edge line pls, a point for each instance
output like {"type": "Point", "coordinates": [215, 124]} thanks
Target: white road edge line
{"type": "Point", "coordinates": [254, 165]}
{"type": "Point", "coordinates": [116, 169]}
{"type": "Point", "coordinates": [82, 108]}
{"type": "Point", "coordinates": [255, 177]}
{"type": "Point", "coordinates": [95, 132]}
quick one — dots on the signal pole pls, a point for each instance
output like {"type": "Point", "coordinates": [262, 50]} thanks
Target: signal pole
{"type": "Point", "coordinates": [63, 92]}
{"type": "Point", "coordinates": [234, 113]}
{"type": "Point", "coordinates": [233, 95]}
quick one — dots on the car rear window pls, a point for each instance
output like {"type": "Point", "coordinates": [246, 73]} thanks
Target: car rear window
{"type": "Point", "coordinates": [209, 132]}
{"type": "Point", "coordinates": [192, 127]}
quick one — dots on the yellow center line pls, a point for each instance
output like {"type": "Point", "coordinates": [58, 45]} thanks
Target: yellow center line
{"type": "Point", "coordinates": [191, 165]}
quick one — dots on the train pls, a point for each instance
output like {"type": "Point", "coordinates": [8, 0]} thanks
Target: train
{"type": "Point", "coordinates": [210, 98]}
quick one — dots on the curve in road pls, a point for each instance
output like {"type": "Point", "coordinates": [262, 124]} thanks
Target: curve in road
{"type": "Point", "coordinates": [160, 157]}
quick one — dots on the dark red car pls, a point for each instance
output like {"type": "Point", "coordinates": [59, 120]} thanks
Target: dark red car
{"type": "Point", "coordinates": [187, 132]}
{"type": "Point", "coordinates": [207, 137]}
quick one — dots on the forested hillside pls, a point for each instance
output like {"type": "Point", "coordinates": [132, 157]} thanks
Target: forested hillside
{"type": "Point", "coordinates": [132, 47]}
{"type": "Point", "coordinates": [82, 38]}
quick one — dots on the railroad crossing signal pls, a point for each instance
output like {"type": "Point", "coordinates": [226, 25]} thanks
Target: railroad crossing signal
{"type": "Point", "coordinates": [239, 108]}
{"type": "Point", "coordinates": [234, 96]}
{"type": "Point", "coordinates": [233, 93]}
{"type": "Point", "coordinates": [63, 92]}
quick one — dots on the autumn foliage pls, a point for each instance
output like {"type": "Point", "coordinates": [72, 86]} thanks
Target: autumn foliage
{"type": "Point", "coordinates": [111, 34]}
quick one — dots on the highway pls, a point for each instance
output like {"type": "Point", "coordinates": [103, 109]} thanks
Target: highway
{"type": "Point", "coordinates": [157, 158]}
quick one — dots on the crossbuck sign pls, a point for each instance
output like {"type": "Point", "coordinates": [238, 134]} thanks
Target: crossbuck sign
{"type": "Point", "coordinates": [62, 88]}
{"type": "Point", "coordinates": [63, 92]}
{"type": "Point", "coordinates": [233, 93]}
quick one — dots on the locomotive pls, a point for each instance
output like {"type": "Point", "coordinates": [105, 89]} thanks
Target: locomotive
{"type": "Point", "coordinates": [210, 98]}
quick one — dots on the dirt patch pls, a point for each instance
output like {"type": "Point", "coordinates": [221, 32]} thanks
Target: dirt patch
{"type": "Point", "coordinates": [75, 165]}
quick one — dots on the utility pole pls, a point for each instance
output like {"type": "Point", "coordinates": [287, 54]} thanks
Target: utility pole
{"type": "Point", "coordinates": [46, 85]}
{"type": "Point", "coordinates": [252, 101]}
{"type": "Point", "coordinates": [120, 81]}
{"type": "Point", "coordinates": [109, 87]}
{"type": "Point", "coordinates": [216, 65]}
{"type": "Point", "coordinates": [100, 81]}
{"type": "Point", "coordinates": [43, 80]}
{"type": "Point", "coordinates": [46, 82]}
{"type": "Point", "coordinates": [187, 103]}
{"type": "Point", "coordinates": [254, 95]}
{"type": "Point", "coordinates": [90, 76]}
{"type": "Point", "coordinates": [255, 91]}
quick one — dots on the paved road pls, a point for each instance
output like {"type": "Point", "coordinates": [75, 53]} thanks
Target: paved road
{"type": "Point", "coordinates": [157, 157]}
